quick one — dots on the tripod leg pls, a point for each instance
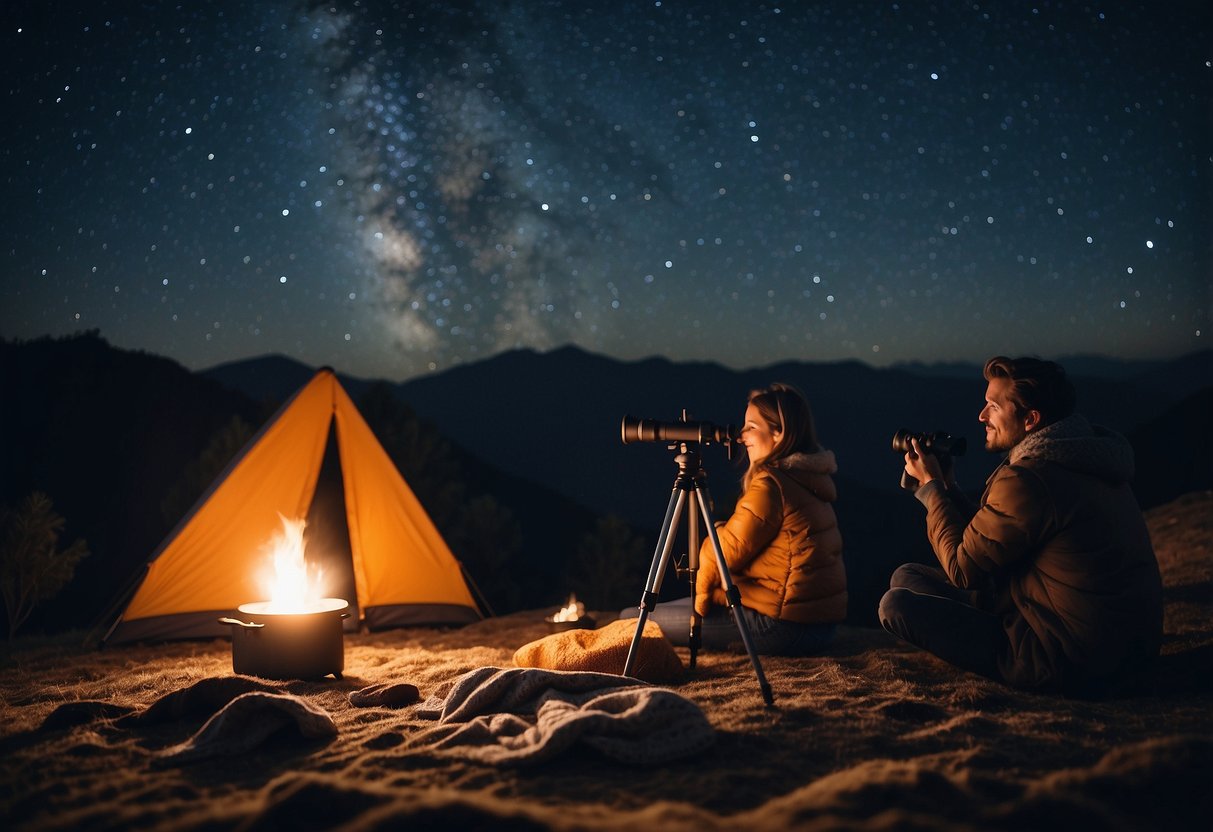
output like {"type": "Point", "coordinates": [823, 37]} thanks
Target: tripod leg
{"type": "Point", "coordinates": [661, 559]}
{"type": "Point", "coordinates": [733, 594]}
{"type": "Point", "coordinates": [693, 633]}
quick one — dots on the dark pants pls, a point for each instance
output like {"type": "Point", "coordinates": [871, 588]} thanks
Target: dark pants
{"type": "Point", "coordinates": [925, 609]}
{"type": "Point", "coordinates": [719, 631]}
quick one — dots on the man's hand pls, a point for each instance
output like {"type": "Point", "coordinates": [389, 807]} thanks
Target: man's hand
{"type": "Point", "coordinates": [922, 467]}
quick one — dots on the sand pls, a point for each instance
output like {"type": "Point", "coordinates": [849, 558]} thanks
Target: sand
{"type": "Point", "coordinates": [873, 735]}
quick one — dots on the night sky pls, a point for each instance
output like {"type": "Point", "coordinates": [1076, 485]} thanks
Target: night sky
{"type": "Point", "coordinates": [394, 188]}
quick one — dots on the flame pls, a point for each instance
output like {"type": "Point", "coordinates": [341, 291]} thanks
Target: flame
{"type": "Point", "coordinates": [293, 587]}
{"type": "Point", "coordinates": [573, 611]}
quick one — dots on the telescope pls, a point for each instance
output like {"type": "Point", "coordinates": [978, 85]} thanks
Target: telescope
{"type": "Point", "coordinates": [653, 430]}
{"type": "Point", "coordinates": [690, 489]}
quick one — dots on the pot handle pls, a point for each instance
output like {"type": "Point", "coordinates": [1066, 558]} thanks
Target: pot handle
{"type": "Point", "coordinates": [238, 623]}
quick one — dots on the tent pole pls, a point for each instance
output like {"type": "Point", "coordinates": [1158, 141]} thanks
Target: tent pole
{"type": "Point", "coordinates": [485, 607]}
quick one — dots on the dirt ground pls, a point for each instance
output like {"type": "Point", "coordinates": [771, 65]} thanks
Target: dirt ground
{"type": "Point", "coordinates": [872, 735]}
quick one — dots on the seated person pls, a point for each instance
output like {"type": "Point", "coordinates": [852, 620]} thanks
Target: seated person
{"type": "Point", "coordinates": [1050, 583]}
{"type": "Point", "coordinates": [782, 544]}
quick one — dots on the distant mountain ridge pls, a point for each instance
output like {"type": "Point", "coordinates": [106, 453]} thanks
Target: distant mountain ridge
{"type": "Point", "coordinates": [107, 432]}
{"type": "Point", "coordinates": [554, 417]}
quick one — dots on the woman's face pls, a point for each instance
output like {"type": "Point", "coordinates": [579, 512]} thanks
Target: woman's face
{"type": "Point", "coordinates": [757, 436]}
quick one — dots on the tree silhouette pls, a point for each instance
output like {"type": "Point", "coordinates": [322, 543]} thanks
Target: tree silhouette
{"type": "Point", "coordinates": [32, 567]}
{"type": "Point", "coordinates": [610, 565]}
{"type": "Point", "coordinates": [485, 540]}
{"type": "Point", "coordinates": [201, 472]}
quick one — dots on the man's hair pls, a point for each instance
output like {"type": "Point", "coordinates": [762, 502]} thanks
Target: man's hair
{"type": "Point", "coordinates": [1035, 385]}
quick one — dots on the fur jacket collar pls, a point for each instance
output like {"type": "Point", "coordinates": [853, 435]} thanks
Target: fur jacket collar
{"type": "Point", "coordinates": [1075, 443]}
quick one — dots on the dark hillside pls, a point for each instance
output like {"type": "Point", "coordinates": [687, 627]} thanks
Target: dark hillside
{"type": "Point", "coordinates": [272, 377]}
{"type": "Point", "coordinates": [555, 416]}
{"type": "Point", "coordinates": [106, 434]}
{"type": "Point", "coordinates": [1175, 451]}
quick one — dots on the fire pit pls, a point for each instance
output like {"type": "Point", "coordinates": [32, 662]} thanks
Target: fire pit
{"type": "Point", "coordinates": [570, 617]}
{"type": "Point", "coordinates": [275, 643]}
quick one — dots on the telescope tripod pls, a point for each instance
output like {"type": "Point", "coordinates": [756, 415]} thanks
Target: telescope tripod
{"type": "Point", "coordinates": [692, 479]}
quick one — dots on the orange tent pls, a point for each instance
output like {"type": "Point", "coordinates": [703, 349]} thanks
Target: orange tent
{"type": "Point", "coordinates": [403, 571]}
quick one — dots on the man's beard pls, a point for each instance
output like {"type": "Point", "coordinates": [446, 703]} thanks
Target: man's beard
{"type": "Point", "coordinates": [999, 442]}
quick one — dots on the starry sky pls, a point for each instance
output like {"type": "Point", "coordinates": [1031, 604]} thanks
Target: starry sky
{"type": "Point", "coordinates": [394, 188]}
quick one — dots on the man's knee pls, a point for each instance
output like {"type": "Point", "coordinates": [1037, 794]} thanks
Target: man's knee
{"type": "Point", "coordinates": [893, 608]}
{"type": "Point", "coordinates": [902, 575]}
{"type": "Point", "coordinates": [920, 577]}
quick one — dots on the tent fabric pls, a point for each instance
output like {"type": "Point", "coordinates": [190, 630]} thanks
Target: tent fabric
{"type": "Point", "coordinates": [219, 557]}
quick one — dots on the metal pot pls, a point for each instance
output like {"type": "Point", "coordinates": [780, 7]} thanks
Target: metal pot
{"type": "Point", "coordinates": [295, 645]}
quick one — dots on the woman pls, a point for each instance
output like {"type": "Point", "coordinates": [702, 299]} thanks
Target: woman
{"type": "Point", "coordinates": [782, 543]}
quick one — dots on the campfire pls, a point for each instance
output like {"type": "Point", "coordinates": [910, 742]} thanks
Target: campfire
{"type": "Point", "coordinates": [571, 617]}
{"type": "Point", "coordinates": [297, 633]}
{"type": "Point", "coordinates": [292, 586]}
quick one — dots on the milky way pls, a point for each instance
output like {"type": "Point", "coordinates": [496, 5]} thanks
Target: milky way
{"type": "Point", "coordinates": [394, 188]}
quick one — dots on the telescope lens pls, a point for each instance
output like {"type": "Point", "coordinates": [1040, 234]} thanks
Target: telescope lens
{"type": "Point", "coordinates": [638, 430]}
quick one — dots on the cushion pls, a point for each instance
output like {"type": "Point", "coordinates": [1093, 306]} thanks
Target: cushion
{"type": "Point", "coordinates": [605, 650]}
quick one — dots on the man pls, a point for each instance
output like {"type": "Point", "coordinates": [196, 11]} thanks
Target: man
{"type": "Point", "coordinates": [1051, 583]}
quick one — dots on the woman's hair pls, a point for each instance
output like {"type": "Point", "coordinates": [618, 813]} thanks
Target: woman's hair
{"type": "Point", "coordinates": [1035, 385]}
{"type": "Point", "coordinates": [786, 411]}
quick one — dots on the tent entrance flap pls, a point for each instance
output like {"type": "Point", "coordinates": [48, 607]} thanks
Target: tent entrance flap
{"type": "Point", "coordinates": [326, 536]}
{"type": "Point", "coordinates": [390, 553]}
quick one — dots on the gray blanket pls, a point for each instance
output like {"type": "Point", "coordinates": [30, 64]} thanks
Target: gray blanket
{"type": "Point", "coordinates": [521, 716]}
{"type": "Point", "coordinates": [241, 713]}
{"type": "Point", "coordinates": [246, 722]}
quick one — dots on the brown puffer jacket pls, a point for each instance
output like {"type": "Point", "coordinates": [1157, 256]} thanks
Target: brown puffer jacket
{"type": "Point", "coordinates": [782, 545]}
{"type": "Point", "coordinates": [1060, 549]}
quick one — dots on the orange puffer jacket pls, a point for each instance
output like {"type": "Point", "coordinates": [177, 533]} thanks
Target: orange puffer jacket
{"type": "Point", "coordinates": [782, 545]}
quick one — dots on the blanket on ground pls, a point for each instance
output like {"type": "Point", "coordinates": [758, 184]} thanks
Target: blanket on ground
{"type": "Point", "coordinates": [246, 722]}
{"type": "Point", "coordinates": [522, 716]}
{"type": "Point", "coordinates": [243, 713]}
{"type": "Point", "coordinates": [200, 700]}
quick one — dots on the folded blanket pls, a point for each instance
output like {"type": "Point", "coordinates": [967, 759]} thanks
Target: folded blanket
{"type": "Point", "coordinates": [521, 716]}
{"type": "Point", "coordinates": [605, 650]}
{"type": "Point", "coordinates": [246, 722]}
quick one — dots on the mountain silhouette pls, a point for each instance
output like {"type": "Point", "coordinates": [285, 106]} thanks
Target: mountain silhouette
{"type": "Point", "coordinates": [107, 433]}
{"type": "Point", "coordinates": [555, 418]}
